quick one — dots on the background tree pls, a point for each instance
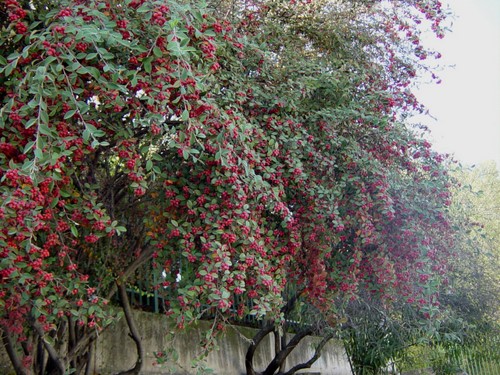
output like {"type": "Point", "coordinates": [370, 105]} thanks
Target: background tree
{"type": "Point", "coordinates": [475, 281]}
{"type": "Point", "coordinates": [375, 338]}
{"type": "Point", "coordinates": [220, 159]}
{"type": "Point", "coordinates": [471, 292]}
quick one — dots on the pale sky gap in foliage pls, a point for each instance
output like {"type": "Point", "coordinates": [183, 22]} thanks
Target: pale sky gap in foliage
{"type": "Point", "coordinates": [466, 105]}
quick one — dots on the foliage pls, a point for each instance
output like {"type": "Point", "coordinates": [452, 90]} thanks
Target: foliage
{"type": "Point", "coordinates": [219, 158]}
{"type": "Point", "coordinates": [372, 338]}
{"type": "Point", "coordinates": [377, 336]}
{"type": "Point", "coordinates": [474, 282]}
{"type": "Point", "coordinates": [476, 357]}
{"type": "Point", "coordinates": [468, 338]}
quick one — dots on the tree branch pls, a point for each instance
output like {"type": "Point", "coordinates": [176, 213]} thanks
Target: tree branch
{"type": "Point", "coordinates": [80, 345]}
{"type": "Point", "coordinates": [314, 358]}
{"type": "Point", "coordinates": [40, 365]}
{"type": "Point", "coordinates": [14, 358]}
{"type": "Point", "coordinates": [280, 357]}
{"type": "Point", "coordinates": [90, 356]}
{"type": "Point", "coordinates": [139, 261]}
{"type": "Point", "coordinates": [58, 361]}
{"type": "Point", "coordinates": [134, 332]}
{"type": "Point", "coordinates": [264, 331]}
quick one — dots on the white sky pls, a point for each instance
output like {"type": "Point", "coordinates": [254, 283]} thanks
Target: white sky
{"type": "Point", "coordinates": [466, 104]}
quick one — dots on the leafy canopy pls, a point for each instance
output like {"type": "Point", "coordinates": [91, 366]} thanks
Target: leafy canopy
{"type": "Point", "coordinates": [224, 157]}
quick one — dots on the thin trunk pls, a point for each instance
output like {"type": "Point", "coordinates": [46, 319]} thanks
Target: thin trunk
{"type": "Point", "coordinates": [81, 345]}
{"type": "Point", "coordinates": [78, 342]}
{"type": "Point", "coordinates": [278, 345]}
{"type": "Point", "coordinates": [40, 358]}
{"type": "Point", "coordinates": [282, 345]}
{"type": "Point", "coordinates": [14, 359]}
{"type": "Point", "coordinates": [317, 354]}
{"type": "Point", "coordinates": [145, 255]}
{"type": "Point", "coordinates": [280, 357]}
{"type": "Point", "coordinates": [54, 356]}
{"type": "Point", "coordinates": [90, 357]}
{"type": "Point", "coordinates": [73, 340]}
{"type": "Point", "coordinates": [263, 332]}
{"type": "Point", "coordinates": [71, 333]}
{"type": "Point", "coordinates": [134, 332]}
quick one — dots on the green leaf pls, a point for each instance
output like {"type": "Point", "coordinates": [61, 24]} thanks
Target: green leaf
{"type": "Point", "coordinates": [185, 115]}
{"type": "Point", "coordinates": [45, 130]}
{"type": "Point", "coordinates": [143, 9]}
{"type": "Point", "coordinates": [105, 54]}
{"type": "Point", "coordinates": [30, 122]}
{"type": "Point", "coordinates": [120, 229]}
{"type": "Point", "coordinates": [157, 52]}
{"type": "Point", "coordinates": [82, 107]}
{"type": "Point", "coordinates": [44, 118]}
{"type": "Point", "coordinates": [175, 48]}
{"type": "Point", "coordinates": [94, 72]}
{"type": "Point", "coordinates": [28, 146]}
{"type": "Point", "coordinates": [70, 114]}
{"type": "Point", "coordinates": [147, 64]}
{"type": "Point", "coordinates": [86, 135]}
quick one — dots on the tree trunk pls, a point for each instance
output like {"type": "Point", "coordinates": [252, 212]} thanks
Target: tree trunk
{"type": "Point", "coordinates": [90, 355]}
{"type": "Point", "coordinates": [134, 332]}
{"type": "Point", "coordinates": [281, 356]}
{"type": "Point", "coordinates": [277, 365]}
{"type": "Point", "coordinates": [279, 343]}
{"type": "Point", "coordinates": [59, 364]}
{"type": "Point", "coordinates": [314, 358]}
{"type": "Point", "coordinates": [14, 359]}
{"type": "Point", "coordinates": [76, 352]}
{"type": "Point", "coordinates": [268, 328]}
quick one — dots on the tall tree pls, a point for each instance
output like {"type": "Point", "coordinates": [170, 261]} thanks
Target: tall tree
{"type": "Point", "coordinates": [474, 284]}
{"type": "Point", "coordinates": [230, 155]}
{"type": "Point", "coordinates": [471, 294]}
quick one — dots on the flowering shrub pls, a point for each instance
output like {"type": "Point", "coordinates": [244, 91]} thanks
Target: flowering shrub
{"type": "Point", "coordinates": [229, 157]}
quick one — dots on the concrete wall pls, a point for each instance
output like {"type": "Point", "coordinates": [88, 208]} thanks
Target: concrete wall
{"type": "Point", "coordinates": [115, 351]}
